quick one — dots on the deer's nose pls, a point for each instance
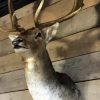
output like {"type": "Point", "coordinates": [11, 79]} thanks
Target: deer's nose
{"type": "Point", "coordinates": [16, 42]}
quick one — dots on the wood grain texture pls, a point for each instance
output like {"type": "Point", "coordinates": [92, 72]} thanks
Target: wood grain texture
{"type": "Point", "coordinates": [85, 19]}
{"type": "Point", "coordinates": [11, 62]}
{"type": "Point", "coordinates": [6, 47]}
{"type": "Point", "coordinates": [71, 46]}
{"type": "Point", "coordinates": [22, 95]}
{"type": "Point", "coordinates": [89, 90]}
{"type": "Point", "coordinates": [89, 3]}
{"type": "Point", "coordinates": [75, 45]}
{"type": "Point", "coordinates": [80, 68]}
{"type": "Point", "coordinates": [12, 81]}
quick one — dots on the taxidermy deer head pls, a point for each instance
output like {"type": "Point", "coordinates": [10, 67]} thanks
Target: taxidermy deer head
{"type": "Point", "coordinates": [42, 80]}
{"type": "Point", "coordinates": [35, 38]}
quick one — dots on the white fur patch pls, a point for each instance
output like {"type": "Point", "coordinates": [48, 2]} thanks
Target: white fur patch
{"type": "Point", "coordinates": [55, 27]}
{"type": "Point", "coordinates": [12, 37]}
{"type": "Point", "coordinates": [30, 63]}
{"type": "Point", "coordinates": [51, 31]}
{"type": "Point", "coordinates": [20, 50]}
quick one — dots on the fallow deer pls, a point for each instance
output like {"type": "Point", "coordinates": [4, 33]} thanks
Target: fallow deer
{"type": "Point", "coordinates": [43, 82]}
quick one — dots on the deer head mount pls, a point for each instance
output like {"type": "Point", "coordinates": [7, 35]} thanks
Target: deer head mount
{"type": "Point", "coordinates": [31, 44]}
{"type": "Point", "coordinates": [36, 32]}
{"type": "Point", "coordinates": [34, 38]}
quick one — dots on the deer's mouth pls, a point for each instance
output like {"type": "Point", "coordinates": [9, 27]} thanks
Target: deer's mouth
{"type": "Point", "coordinates": [18, 43]}
{"type": "Point", "coordinates": [19, 46]}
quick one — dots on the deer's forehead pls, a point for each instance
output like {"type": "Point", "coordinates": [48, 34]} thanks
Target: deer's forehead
{"type": "Point", "coordinates": [31, 32]}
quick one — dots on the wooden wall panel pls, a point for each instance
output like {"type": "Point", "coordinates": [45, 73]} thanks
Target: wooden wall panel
{"type": "Point", "coordinates": [89, 3]}
{"type": "Point", "coordinates": [12, 81]}
{"type": "Point", "coordinates": [80, 68]}
{"type": "Point", "coordinates": [6, 47]}
{"type": "Point", "coordinates": [75, 45]}
{"type": "Point", "coordinates": [22, 95]}
{"type": "Point", "coordinates": [90, 91]}
{"type": "Point", "coordinates": [10, 63]}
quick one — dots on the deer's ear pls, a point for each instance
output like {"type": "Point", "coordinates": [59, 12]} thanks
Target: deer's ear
{"type": "Point", "coordinates": [51, 32]}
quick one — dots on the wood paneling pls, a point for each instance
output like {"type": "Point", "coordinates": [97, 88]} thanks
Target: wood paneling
{"type": "Point", "coordinates": [12, 81]}
{"type": "Point", "coordinates": [11, 62]}
{"type": "Point", "coordinates": [22, 95]}
{"type": "Point", "coordinates": [89, 90]}
{"type": "Point", "coordinates": [74, 45]}
{"type": "Point", "coordinates": [89, 3]}
{"type": "Point", "coordinates": [79, 68]}
{"type": "Point", "coordinates": [6, 47]}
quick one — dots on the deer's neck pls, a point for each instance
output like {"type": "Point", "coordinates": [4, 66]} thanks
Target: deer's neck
{"type": "Point", "coordinates": [39, 68]}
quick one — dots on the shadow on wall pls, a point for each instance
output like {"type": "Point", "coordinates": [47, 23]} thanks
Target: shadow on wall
{"type": "Point", "coordinates": [79, 44]}
{"type": "Point", "coordinates": [82, 68]}
{"type": "Point", "coordinates": [98, 12]}
{"type": "Point", "coordinates": [86, 67]}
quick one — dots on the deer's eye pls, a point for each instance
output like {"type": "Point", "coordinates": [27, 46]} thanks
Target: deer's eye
{"type": "Point", "coordinates": [38, 35]}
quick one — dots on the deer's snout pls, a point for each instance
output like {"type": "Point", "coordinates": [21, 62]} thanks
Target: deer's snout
{"type": "Point", "coordinates": [17, 42]}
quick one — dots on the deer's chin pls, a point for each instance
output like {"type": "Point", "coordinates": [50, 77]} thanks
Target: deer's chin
{"type": "Point", "coordinates": [21, 50]}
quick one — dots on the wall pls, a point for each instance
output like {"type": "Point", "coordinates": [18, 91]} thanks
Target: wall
{"type": "Point", "coordinates": [78, 55]}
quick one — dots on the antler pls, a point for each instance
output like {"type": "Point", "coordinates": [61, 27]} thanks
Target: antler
{"type": "Point", "coordinates": [13, 17]}
{"type": "Point", "coordinates": [61, 19]}
{"type": "Point", "coordinates": [38, 13]}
